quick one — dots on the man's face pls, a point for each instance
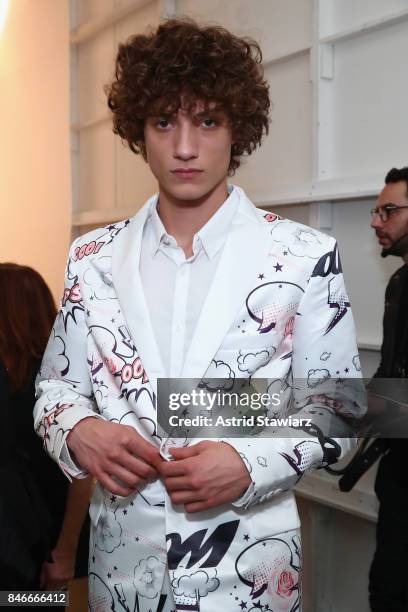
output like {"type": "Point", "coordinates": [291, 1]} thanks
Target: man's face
{"type": "Point", "coordinates": [393, 194]}
{"type": "Point", "coordinates": [189, 152]}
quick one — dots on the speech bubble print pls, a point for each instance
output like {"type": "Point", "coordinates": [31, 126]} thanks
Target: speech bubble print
{"type": "Point", "coordinates": [356, 363]}
{"type": "Point", "coordinates": [302, 241]}
{"type": "Point", "coordinates": [270, 303]}
{"type": "Point", "coordinates": [101, 396]}
{"type": "Point", "coordinates": [317, 377]}
{"type": "Point", "coordinates": [120, 353]}
{"type": "Point", "coordinates": [55, 363]}
{"type": "Point", "coordinates": [108, 531]}
{"type": "Point", "coordinates": [325, 356]}
{"type": "Point", "coordinates": [248, 464]}
{"type": "Point", "coordinates": [251, 362]}
{"type": "Point", "coordinates": [100, 596]}
{"type": "Point", "coordinates": [190, 585]}
{"type": "Point", "coordinates": [262, 461]}
{"type": "Point", "coordinates": [219, 376]}
{"type": "Point", "coordinates": [268, 565]}
{"type": "Point", "coordinates": [98, 276]}
{"type": "Point", "coordinates": [302, 454]}
{"type": "Point", "coordinates": [337, 298]}
{"type": "Point", "coordinates": [148, 577]}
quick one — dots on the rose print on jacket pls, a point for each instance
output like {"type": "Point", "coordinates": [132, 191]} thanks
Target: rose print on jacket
{"type": "Point", "coordinates": [276, 572]}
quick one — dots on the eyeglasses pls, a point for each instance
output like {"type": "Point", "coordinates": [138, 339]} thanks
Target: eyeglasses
{"type": "Point", "coordinates": [385, 211]}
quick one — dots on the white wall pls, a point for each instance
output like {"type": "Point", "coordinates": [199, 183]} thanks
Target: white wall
{"type": "Point", "coordinates": [35, 176]}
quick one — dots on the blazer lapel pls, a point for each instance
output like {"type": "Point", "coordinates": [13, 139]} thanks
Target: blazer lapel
{"type": "Point", "coordinates": [244, 251]}
{"type": "Point", "coordinates": [129, 289]}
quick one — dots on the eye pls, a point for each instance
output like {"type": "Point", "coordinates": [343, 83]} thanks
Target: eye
{"type": "Point", "coordinates": [163, 124]}
{"type": "Point", "coordinates": [209, 123]}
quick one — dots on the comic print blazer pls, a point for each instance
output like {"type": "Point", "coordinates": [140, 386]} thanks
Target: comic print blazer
{"type": "Point", "coordinates": [277, 308]}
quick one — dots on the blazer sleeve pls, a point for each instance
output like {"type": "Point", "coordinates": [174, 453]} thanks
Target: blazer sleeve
{"type": "Point", "coordinates": [63, 387]}
{"type": "Point", "coordinates": [326, 388]}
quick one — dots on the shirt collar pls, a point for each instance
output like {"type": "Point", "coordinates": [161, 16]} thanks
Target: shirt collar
{"type": "Point", "coordinates": [212, 235]}
{"type": "Point", "coordinates": [159, 231]}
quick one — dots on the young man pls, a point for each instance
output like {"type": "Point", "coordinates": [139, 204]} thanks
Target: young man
{"type": "Point", "coordinates": [388, 587]}
{"type": "Point", "coordinates": [198, 284]}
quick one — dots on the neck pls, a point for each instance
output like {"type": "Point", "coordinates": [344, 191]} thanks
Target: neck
{"type": "Point", "coordinates": [184, 218]}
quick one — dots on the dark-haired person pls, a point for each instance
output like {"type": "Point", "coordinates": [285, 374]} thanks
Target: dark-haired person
{"type": "Point", "coordinates": [198, 284]}
{"type": "Point", "coordinates": [388, 585]}
{"type": "Point", "coordinates": [40, 514]}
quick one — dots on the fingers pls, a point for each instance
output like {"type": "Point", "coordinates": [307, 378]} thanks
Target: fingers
{"type": "Point", "coordinates": [185, 497]}
{"type": "Point", "coordinates": [199, 506]}
{"type": "Point", "coordinates": [138, 467]}
{"type": "Point", "coordinates": [107, 450]}
{"type": "Point", "coordinates": [127, 479]}
{"type": "Point", "coordinates": [137, 445]}
{"type": "Point", "coordinates": [181, 483]}
{"type": "Point", "coordinates": [186, 451]}
{"type": "Point", "coordinates": [113, 487]}
{"type": "Point", "coordinates": [175, 468]}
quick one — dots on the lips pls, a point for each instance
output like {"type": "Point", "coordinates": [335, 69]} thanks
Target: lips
{"type": "Point", "coordinates": [187, 173]}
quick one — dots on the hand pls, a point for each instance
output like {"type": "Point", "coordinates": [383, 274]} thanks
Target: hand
{"type": "Point", "coordinates": [110, 451]}
{"type": "Point", "coordinates": [205, 475]}
{"type": "Point", "coordinates": [56, 575]}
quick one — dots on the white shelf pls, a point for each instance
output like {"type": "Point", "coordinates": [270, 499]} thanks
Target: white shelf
{"type": "Point", "coordinates": [283, 57]}
{"type": "Point", "coordinates": [369, 346]}
{"type": "Point", "coordinates": [91, 28]}
{"type": "Point", "coordinates": [365, 28]}
{"type": "Point", "coordinates": [321, 487]}
{"type": "Point", "coordinates": [320, 191]}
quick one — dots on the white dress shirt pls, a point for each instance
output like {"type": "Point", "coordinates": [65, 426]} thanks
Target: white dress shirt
{"type": "Point", "coordinates": [175, 287]}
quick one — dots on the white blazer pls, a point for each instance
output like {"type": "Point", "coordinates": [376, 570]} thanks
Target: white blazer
{"type": "Point", "coordinates": [281, 282]}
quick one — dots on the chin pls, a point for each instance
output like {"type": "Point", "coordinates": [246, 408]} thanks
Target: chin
{"type": "Point", "coordinates": [188, 192]}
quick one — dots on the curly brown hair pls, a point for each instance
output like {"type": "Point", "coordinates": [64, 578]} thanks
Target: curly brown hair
{"type": "Point", "coordinates": [182, 60]}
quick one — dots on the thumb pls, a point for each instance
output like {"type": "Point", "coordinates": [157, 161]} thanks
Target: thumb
{"type": "Point", "coordinates": [185, 452]}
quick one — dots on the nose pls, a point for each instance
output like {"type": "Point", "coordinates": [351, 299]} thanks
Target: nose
{"type": "Point", "coordinates": [185, 141]}
{"type": "Point", "coordinates": [376, 222]}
